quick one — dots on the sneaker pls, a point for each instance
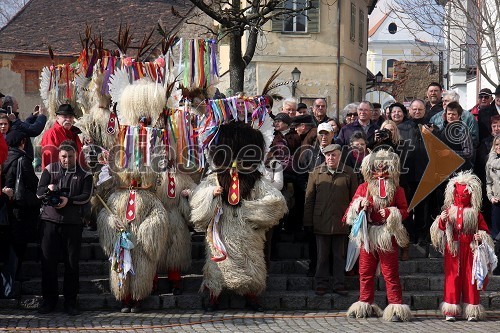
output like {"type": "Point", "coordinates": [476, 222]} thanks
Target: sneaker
{"type": "Point", "coordinates": [450, 318]}
{"type": "Point", "coordinates": [136, 308]}
{"type": "Point", "coordinates": [472, 319]}
{"type": "Point", "coordinates": [125, 309]}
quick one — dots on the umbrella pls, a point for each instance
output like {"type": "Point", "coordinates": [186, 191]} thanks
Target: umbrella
{"type": "Point", "coordinates": [353, 246]}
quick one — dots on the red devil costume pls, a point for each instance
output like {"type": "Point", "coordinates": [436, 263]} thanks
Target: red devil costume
{"type": "Point", "coordinates": [453, 233]}
{"type": "Point", "coordinates": [386, 208]}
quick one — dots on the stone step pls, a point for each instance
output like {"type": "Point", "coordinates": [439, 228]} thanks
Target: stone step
{"type": "Point", "coordinates": [284, 283]}
{"type": "Point", "coordinates": [271, 300]}
{"type": "Point", "coordinates": [288, 267]}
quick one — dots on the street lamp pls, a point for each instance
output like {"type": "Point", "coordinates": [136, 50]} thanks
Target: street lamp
{"type": "Point", "coordinates": [296, 78]}
{"type": "Point", "coordinates": [378, 80]}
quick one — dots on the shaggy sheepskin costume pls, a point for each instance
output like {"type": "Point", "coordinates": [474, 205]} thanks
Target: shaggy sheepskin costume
{"type": "Point", "coordinates": [452, 233]}
{"type": "Point", "coordinates": [177, 254]}
{"type": "Point", "coordinates": [150, 228]}
{"type": "Point", "coordinates": [235, 251]}
{"type": "Point", "coordinates": [385, 233]}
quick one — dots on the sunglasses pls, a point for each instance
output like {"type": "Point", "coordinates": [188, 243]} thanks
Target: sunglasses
{"type": "Point", "coordinates": [484, 97]}
{"type": "Point", "coordinates": [351, 115]}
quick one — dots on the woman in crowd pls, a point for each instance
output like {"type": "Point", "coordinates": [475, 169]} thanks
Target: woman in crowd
{"type": "Point", "coordinates": [336, 127]}
{"type": "Point", "coordinates": [493, 185]}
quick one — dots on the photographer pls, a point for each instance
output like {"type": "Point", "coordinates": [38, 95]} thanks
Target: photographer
{"type": "Point", "coordinates": [65, 190]}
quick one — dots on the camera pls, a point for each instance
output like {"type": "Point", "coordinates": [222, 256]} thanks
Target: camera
{"type": "Point", "coordinates": [383, 134]}
{"type": "Point", "coordinates": [53, 198]}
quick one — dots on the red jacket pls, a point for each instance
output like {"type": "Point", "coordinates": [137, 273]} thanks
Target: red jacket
{"type": "Point", "coordinates": [53, 138]}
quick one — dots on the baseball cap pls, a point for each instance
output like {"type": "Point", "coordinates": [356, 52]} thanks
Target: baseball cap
{"type": "Point", "coordinates": [485, 92]}
{"type": "Point", "coordinates": [331, 147]}
{"type": "Point", "coordinates": [325, 127]}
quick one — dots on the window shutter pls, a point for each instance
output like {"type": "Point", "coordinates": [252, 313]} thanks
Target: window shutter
{"type": "Point", "coordinates": [313, 15]}
{"type": "Point", "coordinates": [277, 22]}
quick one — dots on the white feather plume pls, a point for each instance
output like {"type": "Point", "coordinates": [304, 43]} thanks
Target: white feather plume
{"type": "Point", "coordinates": [45, 86]}
{"type": "Point", "coordinates": [117, 84]}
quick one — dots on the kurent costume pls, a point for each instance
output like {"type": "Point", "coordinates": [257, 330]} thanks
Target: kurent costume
{"type": "Point", "coordinates": [385, 234]}
{"type": "Point", "coordinates": [236, 220]}
{"type": "Point", "coordinates": [452, 233]}
{"type": "Point", "coordinates": [134, 204]}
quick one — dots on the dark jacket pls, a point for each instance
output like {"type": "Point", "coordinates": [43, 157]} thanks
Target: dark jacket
{"type": "Point", "coordinates": [76, 185]}
{"type": "Point", "coordinates": [412, 151]}
{"type": "Point", "coordinates": [430, 111]}
{"type": "Point", "coordinates": [484, 121]}
{"type": "Point", "coordinates": [327, 198]}
{"type": "Point", "coordinates": [23, 218]}
{"type": "Point", "coordinates": [32, 127]}
{"type": "Point", "coordinates": [347, 131]}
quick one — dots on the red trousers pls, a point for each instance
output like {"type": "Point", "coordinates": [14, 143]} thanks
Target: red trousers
{"type": "Point", "coordinates": [458, 276]}
{"type": "Point", "coordinates": [389, 266]}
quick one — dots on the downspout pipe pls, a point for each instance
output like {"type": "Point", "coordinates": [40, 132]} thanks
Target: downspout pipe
{"type": "Point", "coordinates": [338, 58]}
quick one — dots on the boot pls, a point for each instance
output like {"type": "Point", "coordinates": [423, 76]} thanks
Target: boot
{"type": "Point", "coordinates": [213, 303]}
{"type": "Point", "coordinates": [405, 253]}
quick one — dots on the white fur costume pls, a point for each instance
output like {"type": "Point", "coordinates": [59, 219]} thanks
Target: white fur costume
{"type": "Point", "coordinates": [244, 227]}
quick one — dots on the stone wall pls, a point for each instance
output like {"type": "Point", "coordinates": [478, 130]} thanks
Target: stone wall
{"type": "Point", "coordinates": [411, 80]}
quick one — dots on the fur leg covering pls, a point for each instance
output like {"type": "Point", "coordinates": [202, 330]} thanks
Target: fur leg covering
{"type": "Point", "coordinates": [448, 309]}
{"type": "Point", "coordinates": [364, 310]}
{"type": "Point", "coordinates": [401, 310]}
{"type": "Point", "coordinates": [476, 311]}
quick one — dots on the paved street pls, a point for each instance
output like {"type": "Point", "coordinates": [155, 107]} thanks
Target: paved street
{"type": "Point", "coordinates": [230, 321]}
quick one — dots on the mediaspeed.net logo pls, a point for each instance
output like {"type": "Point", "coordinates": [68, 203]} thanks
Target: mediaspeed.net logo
{"type": "Point", "coordinates": [443, 161]}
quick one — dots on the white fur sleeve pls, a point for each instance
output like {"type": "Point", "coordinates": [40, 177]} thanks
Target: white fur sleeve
{"type": "Point", "coordinates": [353, 210]}
{"type": "Point", "coordinates": [203, 205]}
{"type": "Point", "coordinates": [265, 211]}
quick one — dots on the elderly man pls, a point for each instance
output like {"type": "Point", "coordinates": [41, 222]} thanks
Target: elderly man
{"type": "Point", "coordinates": [290, 107]}
{"type": "Point", "coordinates": [62, 130]}
{"type": "Point", "coordinates": [468, 119]}
{"type": "Point", "coordinates": [330, 189]}
{"type": "Point", "coordinates": [434, 103]}
{"type": "Point", "coordinates": [319, 111]}
{"type": "Point", "coordinates": [483, 111]}
{"type": "Point", "coordinates": [362, 124]}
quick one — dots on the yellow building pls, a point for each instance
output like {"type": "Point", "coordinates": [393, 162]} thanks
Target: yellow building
{"type": "Point", "coordinates": [327, 45]}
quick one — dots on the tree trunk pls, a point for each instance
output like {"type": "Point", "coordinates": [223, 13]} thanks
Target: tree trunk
{"type": "Point", "coordinates": [236, 63]}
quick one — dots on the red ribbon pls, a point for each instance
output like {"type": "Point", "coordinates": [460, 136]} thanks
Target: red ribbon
{"type": "Point", "coordinates": [171, 186]}
{"type": "Point", "coordinates": [131, 206]}
{"type": "Point", "coordinates": [233, 196]}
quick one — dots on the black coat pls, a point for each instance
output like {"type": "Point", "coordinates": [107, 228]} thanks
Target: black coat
{"type": "Point", "coordinates": [23, 220]}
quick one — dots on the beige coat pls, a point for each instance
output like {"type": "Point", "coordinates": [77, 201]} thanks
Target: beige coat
{"type": "Point", "coordinates": [327, 198]}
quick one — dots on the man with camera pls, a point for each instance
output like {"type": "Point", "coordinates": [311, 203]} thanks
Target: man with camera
{"type": "Point", "coordinates": [65, 190]}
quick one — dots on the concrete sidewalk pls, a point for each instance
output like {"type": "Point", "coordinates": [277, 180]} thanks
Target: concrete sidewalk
{"type": "Point", "coordinates": [231, 321]}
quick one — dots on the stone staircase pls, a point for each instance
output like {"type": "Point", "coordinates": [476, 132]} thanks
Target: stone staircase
{"type": "Point", "coordinates": [288, 287]}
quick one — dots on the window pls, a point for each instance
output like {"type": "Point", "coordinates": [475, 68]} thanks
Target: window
{"type": "Point", "coordinates": [351, 93]}
{"type": "Point", "coordinates": [298, 22]}
{"type": "Point", "coordinates": [302, 22]}
{"type": "Point", "coordinates": [361, 28]}
{"type": "Point", "coordinates": [390, 68]}
{"type": "Point", "coordinates": [393, 28]}
{"type": "Point", "coordinates": [31, 79]}
{"type": "Point", "coordinates": [360, 94]}
{"type": "Point", "coordinates": [353, 22]}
